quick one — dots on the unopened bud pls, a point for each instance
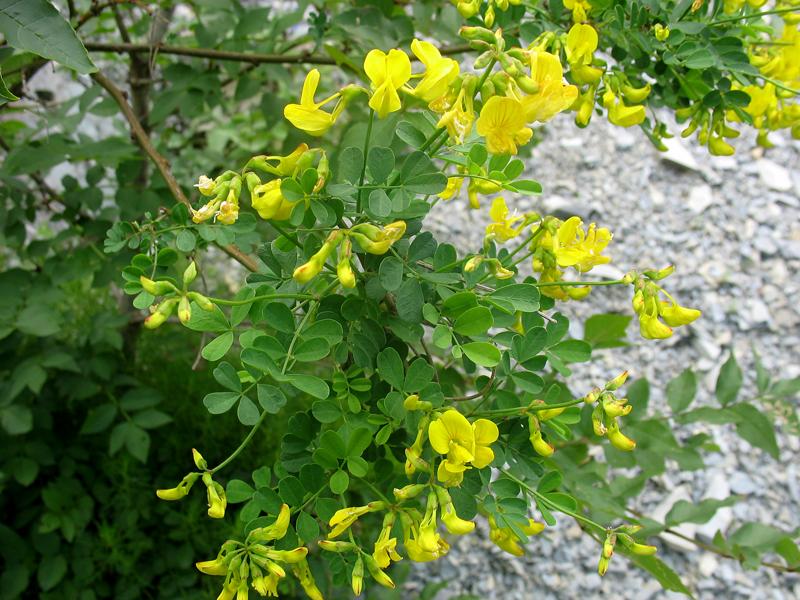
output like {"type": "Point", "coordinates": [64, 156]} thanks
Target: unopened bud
{"type": "Point", "coordinates": [338, 547]}
{"type": "Point", "coordinates": [156, 288]}
{"type": "Point", "coordinates": [617, 382]}
{"type": "Point", "coordinates": [199, 461]}
{"type": "Point", "coordinates": [161, 314]}
{"type": "Point", "coordinates": [180, 490]}
{"type": "Point", "coordinates": [184, 310]}
{"type": "Point", "coordinates": [409, 491]}
{"type": "Point", "coordinates": [202, 301]}
{"type": "Point", "coordinates": [189, 274]}
{"type": "Point", "coordinates": [476, 33]}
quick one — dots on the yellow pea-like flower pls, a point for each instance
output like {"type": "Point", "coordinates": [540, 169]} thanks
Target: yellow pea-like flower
{"type": "Point", "coordinates": [574, 247]}
{"type": "Point", "coordinates": [676, 315]}
{"type": "Point", "coordinates": [552, 95]}
{"type": "Point", "coordinates": [581, 43]}
{"type": "Point", "coordinates": [502, 123]}
{"type": "Point", "coordinates": [502, 227]}
{"type": "Point", "coordinates": [388, 72]}
{"type": "Point", "coordinates": [621, 114]}
{"type": "Point", "coordinates": [440, 72]}
{"type": "Point", "coordinates": [308, 115]}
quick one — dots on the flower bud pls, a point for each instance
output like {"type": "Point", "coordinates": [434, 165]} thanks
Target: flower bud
{"type": "Point", "coordinates": [660, 274]}
{"type": "Point", "coordinates": [409, 491]}
{"type": "Point", "coordinates": [635, 95]}
{"type": "Point", "coordinates": [180, 490]}
{"type": "Point", "coordinates": [550, 413]}
{"type": "Point", "coordinates": [602, 565]}
{"type": "Point", "coordinates": [676, 315]}
{"type": "Point", "coordinates": [184, 310]}
{"type": "Point", "coordinates": [469, 8]}
{"type": "Point", "coordinates": [338, 547]}
{"type": "Point", "coordinates": [199, 461]}
{"type": "Point", "coordinates": [598, 426]}
{"type": "Point", "coordinates": [619, 440]}
{"type": "Point", "coordinates": [357, 577]}
{"type": "Point", "coordinates": [217, 501]}
{"type": "Point", "coordinates": [161, 314]}
{"type": "Point", "coordinates": [156, 288]}
{"type": "Point", "coordinates": [484, 60]}
{"type": "Point", "coordinates": [476, 33]}
{"type": "Point", "coordinates": [202, 301]}
{"type": "Point", "coordinates": [205, 185]}
{"type": "Point", "coordinates": [189, 274]}
{"type": "Point", "coordinates": [719, 147]}
{"type": "Point", "coordinates": [617, 382]}
{"type": "Point", "coordinates": [377, 573]}
{"type": "Point", "coordinates": [307, 271]}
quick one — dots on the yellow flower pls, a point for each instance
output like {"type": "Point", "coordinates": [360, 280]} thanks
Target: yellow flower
{"type": "Point", "coordinates": [502, 123]}
{"type": "Point", "coordinates": [385, 548]}
{"type": "Point", "coordinates": [439, 72]}
{"type": "Point", "coordinates": [388, 73]}
{"type": "Point", "coordinates": [453, 523]}
{"type": "Point", "coordinates": [507, 540]}
{"type": "Point", "coordinates": [452, 435]}
{"type": "Point", "coordinates": [575, 248]}
{"type": "Point", "coordinates": [267, 198]}
{"type": "Point", "coordinates": [453, 187]}
{"type": "Point", "coordinates": [276, 530]}
{"type": "Point", "coordinates": [675, 315]}
{"type": "Point", "coordinates": [620, 114]}
{"type": "Point", "coordinates": [205, 185]}
{"type": "Point", "coordinates": [308, 115]}
{"type": "Point", "coordinates": [458, 118]}
{"type": "Point", "coordinates": [180, 490]}
{"type": "Point", "coordinates": [502, 229]}
{"type": "Point", "coordinates": [581, 44]}
{"type": "Point", "coordinates": [649, 325]}
{"type": "Point", "coordinates": [343, 518]}
{"type": "Point", "coordinates": [306, 579]}
{"type": "Point", "coordinates": [284, 165]}
{"type": "Point", "coordinates": [552, 96]}
{"type": "Point", "coordinates": [486, 434]}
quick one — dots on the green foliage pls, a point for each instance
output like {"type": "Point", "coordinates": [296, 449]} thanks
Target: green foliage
{"type": "Point", "coordinates": [309, 391]}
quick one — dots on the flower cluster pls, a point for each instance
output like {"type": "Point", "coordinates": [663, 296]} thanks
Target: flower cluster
{"type": "Point", "coordinates": [173, 298]}
{"type": "Point", "coordinates": [217, 500]}
{"type": "Point", "coordinates": [657, 316]}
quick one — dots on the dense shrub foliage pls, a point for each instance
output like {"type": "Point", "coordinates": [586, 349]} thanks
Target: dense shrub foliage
{"type": "Point", "coordinates": [284, 346]}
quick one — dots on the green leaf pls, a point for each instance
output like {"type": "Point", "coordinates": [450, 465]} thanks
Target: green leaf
{"type": "Point", "coordinates": [227, 377]}
{"type": "Point", "coordinates": [523, 296]}
{"type": "Point", "coordinates": [475, 321]}
{"type": "Point", "coordinates": [482, 353]}
{"type": "Point", "coordinates": [339, 482]}
{"type": "Point", "coordinates": [756, 428]}
{"type": "Point", "coordinates": [218, 347]}
{"type": "Point", "coordinates": [270, 398]}
{"type": "Point", "coordinates": [409, 301]}
{"type": "Point", "coordinates": [525, 347]}
{"type": "Point", "coordinates": [99, 418]}
{"type": "Point", "coordinates": [351, 161]}
{"type": "Point", "coordinates": [606, 330]}
{"type": "Point", "coordinates": [238, 491]}
{"type": "Point", "coordinates": [5, 93]}
{"type": "Point", "coordinates": [681, 391]}
{"type": "Point", "coordinates": [185, 240]}
{"type": "Point", "coordinates": [380, 163]}
{"type": "Point", "coordinates": [572, 351]}
{"type": "Point", "coordinates": [729, 381]}
{"type": "Point", "coordinates": [420, 374]}
{"type": "Point", "coordinates": [333, 443]}
{"type": "Point", "coordinates": [390, 368]}
{"type": "Point", "coordinates": [326, 411]}
{"type": "Point", "coordinates": [327, 329]}
{"type": "Point", "coordinates": [390, 273]}
{"type": "Point", "coordinates": [151, 418]}
{"type": "Point", "coordinates": [36, 26]}
{"type": "Point", "coordinates": [16, 419]}
{"type": "Point", "coordinates": [312, 350]}
{"type": "Point", "coordinates": [696, 512]}
{"type": "Point", "coordinates": [291, 490]}
{"type": "Point", "coordinates": [313, 386]}
{"type": "Point", "coordinates": [307, 527]}
{"type": "Point", "coordinates": [51, 569]}
{"type": "Point", "coordinates": [358, 440]}
{"type": "Point", "coordinates": [668, 579]}
{"type": "Point", "coordinates": [220, 402]}
{"type": "Point", "coordinates": [379, 203]}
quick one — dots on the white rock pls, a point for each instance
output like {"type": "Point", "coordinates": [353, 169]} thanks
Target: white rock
{"type": "Point", "coordinates": [719, 489]}
{"type": "Point", "coordinates": [773, 175]}
{"type": "Point", "coordinates": [708, 564]}
{"type": "Point", "coordinates": [700, 198]}
{"type": "Point", "coordinates": [678, 154]}
{"type": "Point", "coordinates": [742, 483]}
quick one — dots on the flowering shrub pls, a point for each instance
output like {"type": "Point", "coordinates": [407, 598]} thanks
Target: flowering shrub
{"type": "Point", "coordinates": [426, 388]}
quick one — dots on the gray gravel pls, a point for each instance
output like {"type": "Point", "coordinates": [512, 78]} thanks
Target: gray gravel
{"type": "Point", "coordinates": [731, 226]}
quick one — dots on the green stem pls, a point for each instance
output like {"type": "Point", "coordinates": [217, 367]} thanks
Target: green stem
{"type": "Point", "coordinates": [364, 164]}
{"type": "Point", "coordinates": [779, 84]}
{"type": "Point", "coordinates": [224, 302]}
{"type": "Point", "coordinates": [595, 283]}
{"type": "Point", "coordinates": [763, 13]}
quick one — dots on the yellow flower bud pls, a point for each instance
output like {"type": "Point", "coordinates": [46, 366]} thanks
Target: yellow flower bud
{"type": "Point", "coordinates": [217, 567]}
{"type": "Point", "coordinates": [161, 314]}
{"type": "Point", "coordinates": [338, 547]}
{"type": "Point", "coordinates": [307, 271]}
{"type": "Point", "coordinates": [660, 32]}
{"type": "Point", "coordinates": [357, 577]}
{"type": "Point", "coordinates": [541, 447]}
{"type": "Point", "coordinates": [619, 440]}
{"type": "Point", "coordinates": [184, 310]}
{"type": "Point", "coordinates": [156, 288]}
{"type": "Point", "coordinates": [473, 263]}
{"type": "Point", "coordinates": [409, 491]}
{"type": "Point", "coordinates": [602, 565]}
{"type": "Point", "coordinates": [617, 382]}
{"type": "Point", "coordinates": [202, 301]}
{"type": "Point", "coordinates": [179, 491]}
{"type": "Point", "coordinates": [199, 461]}
{"type": "Point", "coordinates": [719, 147]}
{"type": "Point", "coordinates": [597, 421]}
{"type": "Point", "coordinates": [533, 527]}
{"type": "Point", "coordinates": [377, 573]}
{"type": "Point", "coordinates": [643, 549]}
{"type": "Point", "coordinates": [205, 185]}
{"type": "Point", "coordinates": [345, 274]}
{"type": "Point", "coordinates": [217, 501]}
{"type": "Point", "coordinates": [550, 413]}
{"type": "Point", "coordinates": [676, 315]}
{"type": "Point", "coordinates": [190, 273]}
{"type": "Point", "coordinates": [635, 95]}
{"type": "Point", "coordinates": [660, 274]}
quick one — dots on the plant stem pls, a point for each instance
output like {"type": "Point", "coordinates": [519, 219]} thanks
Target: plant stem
{"type": "Point", "coordinates": [763, 13]}
{"type": "Point", "coordinates": [595, 283]}
{"type": "Point", "coordinates": [364, 164]}
{"type": "Point", "coordinates": [224, 302]}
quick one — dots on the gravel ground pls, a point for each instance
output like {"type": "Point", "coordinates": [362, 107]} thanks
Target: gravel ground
{"type": "Point", "coordinates": [731, 225]}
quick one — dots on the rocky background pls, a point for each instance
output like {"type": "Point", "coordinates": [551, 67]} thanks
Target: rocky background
{"type": "Point", "coordinates": [731, 226]}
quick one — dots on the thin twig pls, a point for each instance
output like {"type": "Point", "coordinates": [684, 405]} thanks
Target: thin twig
{"type": "Point", "coordinates": [161, 163]}
{"type": "Point", "coordinates": [249, 57]}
